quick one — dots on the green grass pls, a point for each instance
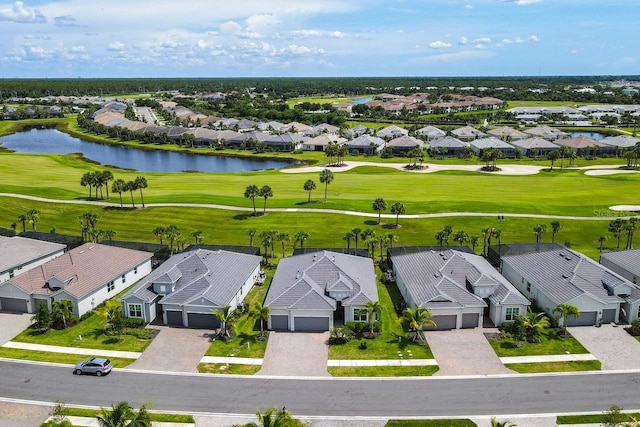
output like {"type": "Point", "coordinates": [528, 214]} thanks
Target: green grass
{"type": "Point", "coordinates": [532, 368]}
{"type": "Point", "coordinates": [382, 371]}
{"type": "Point", "coordinates": [552, 343]}
{"type": "Point", "coordinates": [392, 343]}
{"type": "Point", "coordinates": [226, 368]}
{"type": "Point", "coordinates": [246, 343]}
{"type": "Point", "coordinates": [93, 336]}
{"type": "Point", "coordinates": [169, 418]}
{"type": "Point", "coordinates": [453, 422]}
{"type": "Point", "coordinates": [43, 356]}
{"type": "Point", "coordinates": [592, 419]}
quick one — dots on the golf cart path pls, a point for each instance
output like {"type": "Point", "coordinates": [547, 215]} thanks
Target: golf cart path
{"type": "Point", "coordinates": [332, 211]}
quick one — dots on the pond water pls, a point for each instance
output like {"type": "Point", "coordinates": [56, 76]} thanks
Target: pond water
{"type": "Point", "coordinates": [52, 141]}
{"type": "Point", "coordinates": [362, 100]}
{"type": "Point", "coordinates": [593, 135]}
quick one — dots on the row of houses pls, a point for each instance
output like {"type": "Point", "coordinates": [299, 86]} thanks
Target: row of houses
{"type": "Point", "coordinates": [578, 115]}
{"type": "Point", "coordinates": [424, 103]}
{"type": "Point", "coordinates": [319, 289]}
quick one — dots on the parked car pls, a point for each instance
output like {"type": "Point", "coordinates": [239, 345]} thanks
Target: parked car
{"type": "Point", "coordinates": [97, 366]}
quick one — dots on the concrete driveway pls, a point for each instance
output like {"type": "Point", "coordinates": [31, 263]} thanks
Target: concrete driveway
{"type": "Point", "coordinates": [11, 324]}
{"type": "Point", "coordinates": [174, 349]}
{"type": "Point", "coordinates": [465, 352]}
{"type": "Point", "coordinates": [296, 354]}
{"type": "Point", "coordinates": [611, 345]}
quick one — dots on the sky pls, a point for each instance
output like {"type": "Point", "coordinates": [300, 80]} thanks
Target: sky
{"type": "Point", "coordinates": [318, 38]}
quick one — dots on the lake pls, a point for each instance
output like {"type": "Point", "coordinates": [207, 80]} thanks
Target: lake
{"type": "Point", "coordinates": [362, 100]}
{"type": "Point", "coordinates": [593, 135]}
{"type": "Point", "coordinates": [52, 141]}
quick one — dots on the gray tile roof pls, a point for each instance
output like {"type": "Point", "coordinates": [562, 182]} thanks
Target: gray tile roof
{"type": "Point", "coordinates": [303, 281]}
{"type": "Point", "coordinates": [491, 142]}
{"type": "Point", "coordinates": [431, 131]}
{"type": "Point", "coordinates": [535, 143]}
{"type": "Point", "coordinates": [16, 251]}
{"type": "Point", "coordinates": [623, 141]}
{"type": "Point", "coordinates": [439, 279]}
{"type": "Point", "coordinates": [564, 275]}
{"type": "Point", "coordinates": [507, 131]}
{"type": "Point", "coordinates": [405, 142]}
{"type": "Point", "coordinates": [365, 141]}
{"type": "Point", "coordinates": [467, 132]}
{"type": "Point", "coordinates": [447, 142]}
{"type": "Point", "coordinates": [214, 275]}
{"type": "Point", "coordinates": [629, 260]}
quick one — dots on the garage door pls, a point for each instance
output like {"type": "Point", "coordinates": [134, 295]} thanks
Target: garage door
{"type": "Point", "coordinates": [587, 318]}
{"type": "Point", "coordinates": [609, 315]}
{"type": "Point", "coordinates": [280, 322]}
{"type": "Point", "coordinates": [202, 320]}
{"type": "Point", "coordinates": [14, 304]}
{"type": "Point", "coordinates": [311, 323]}
{"type": "Point", "coordinates": [174, 318]}
{"type": "Point", "coordinates": [444, 322]}
{"type": "Point", "coordinates": [470, 320]}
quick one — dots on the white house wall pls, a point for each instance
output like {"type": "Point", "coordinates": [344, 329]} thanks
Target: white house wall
{"type": "Point", "coordinates": [245, 288]}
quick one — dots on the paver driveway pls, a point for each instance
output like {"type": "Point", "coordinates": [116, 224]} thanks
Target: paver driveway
{"type": "Point", "coordinates": [612, 346]}
{"type": "Point", "coordinates": [22, 415]}
{"type": "Point", "coordinates": [296, 354]}
{"type": "Point", "coordinates": [11, 324]}
{"type": "Point", "coordinates": [465, 352]}
{"type": "Point", "coordinates": [174, 349]}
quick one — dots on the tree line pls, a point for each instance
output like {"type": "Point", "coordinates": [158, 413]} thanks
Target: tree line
{"type": "Point", "coordinates": [99, 179]}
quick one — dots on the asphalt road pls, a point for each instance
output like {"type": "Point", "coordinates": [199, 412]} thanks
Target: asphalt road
{"type": "Point", "coordinates": [327, 397]}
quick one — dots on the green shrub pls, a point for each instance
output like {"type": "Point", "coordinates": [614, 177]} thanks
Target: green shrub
{"type": "Point", "coordinates": [362, 345]}
{"type": "Point", "coordinates": [340, 335]}
{"type": "Point", "coordinates": [142, 334]}
{"type": "Point", "coordinates": [133, 323]}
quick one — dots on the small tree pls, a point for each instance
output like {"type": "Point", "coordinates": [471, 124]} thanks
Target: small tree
{"type": "Point", "coordinates": [326, 177]}
{"type": "Point", "coordinates": [564, 311]}
{"type": "Point", "coordinates": [261, 313]}
{"type": "Point", "coordinates": [373, 312]}
{"type": "Point", "coordinates": [379, 205]}
{"type": "Point", "coordinates": [415, 318]}
{"type": "Point", "coordinates": [42, 319]}
{"type": "Point", "coordinates": [613, 417]}
{"type": "Point", "coordinates": [309, 186]}
{"type": "Point", "coordinates": [224, 315]}
{"type": "Point", "coordinates": [251, 192]}
{"type": "Point", "coordinates": [265, 192]}
{"type": "Point", "coordinates": [397, 209]}
{"type": "Point", "coordinates": [555, 227]}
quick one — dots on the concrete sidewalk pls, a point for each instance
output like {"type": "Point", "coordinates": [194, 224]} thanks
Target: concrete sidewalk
{"type": "Point", "coordinates": [72, 350]}
{"type": "Point", "coordinates": [93, 422]}
{"type": "Point", "coordinates": [549, 358]}
{"type": "Point", "coordinates": [231, 360]}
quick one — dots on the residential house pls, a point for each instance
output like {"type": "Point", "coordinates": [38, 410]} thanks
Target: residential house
{"type": "Point", "coordinates": [320, 142]}
{"type": "Point", "coordinates": [552, 274]}
{"type": "Point", "coordinates": [391, 132]}
{"type": "Point", "coordinates": [431, 132]}
{"type": "Point", "coordinates": [447, 146]}
{"type": "Point", "coordinates": [295, 127]}
{"type": "Point", "coordinates": [585, 146]}
{"type": "Point", "coordinates": [356, 131]}
{"type": "Point", "coordinates": [366, 144]}
{"type": "Point", "coordinates": [459, 288]}
{"type": "Point", "coordinates": [621, 142]}
{"type": "Point", "coordinates": [467, 133]}
{"type": "Point", "coordinates": [248, 139]}
{"type": "Point", "coordinates": [535, 147]}
{"type": "Point", "coordinates": [286, 142]}
{"type": "Point", "coordinates": [507, 133]}
{"type": "Point", "coordinates": [404, 144]}
{"type": "Point", "coordinates": [187, 288]}
{"type": "Point", "coordinates": [87, 276]}
{"type": "Point", "coordinates": [546, 132]}
{"type": "Point", "coordinates": [311, 291]}
{"type": "Point", "coordinates": [323, 128]}
{"type": "Point", "coordinates": [480, 145]}
{"type": "Point", "coordinates": [625, 263]}
{"type": "Point", "coordinates": [19, 254]}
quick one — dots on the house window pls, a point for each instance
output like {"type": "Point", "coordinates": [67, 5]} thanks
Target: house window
{"type": "Point", "coordinates": [135, 270]}
{"type": "Point", "coordinates": [512, 312]}
{"type": "Point", "coordinates": [123, 279]}
{"type": "Point", "coordinates": [135, 310]}
{"type": "Point", "coordinates": [360, 315]}
{"type": "Point", "coordinates": [528, 287]}
{"type": "Point", "coordinates": [11, 274]}
{"type": "Point", "coordinates": [111, 286]}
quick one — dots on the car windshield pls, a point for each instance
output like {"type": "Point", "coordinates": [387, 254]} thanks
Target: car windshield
{"type": "Point", "coordinates": [107, 362]}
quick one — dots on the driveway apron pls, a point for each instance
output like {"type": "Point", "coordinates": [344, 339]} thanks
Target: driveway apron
{"type": "Point", "coordinates": [296, 354]}
{"type": "Point", "coordinates": [11, 324]}
{"type": "Point", "coordinates": [611, 345]}
{"type": "Point", "coordinates": [465, 352]}
{"type": "Point", "coordinates": [175, 350]}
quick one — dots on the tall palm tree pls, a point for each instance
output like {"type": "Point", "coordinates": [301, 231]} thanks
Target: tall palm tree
{"type": "Point", "coordinates": [461, 237]}
{"type": "Point", "coordinates": [390, 240]}
{"type": "Point", "coordinates": [197, 235]}
{"type": "Point", "coordinates": [486, 235]}
{"type": "Point", "coordinates": [474, 242]}
{"type": "Point", "coordinates": [141, 182]}
{"type": "Point", "coordinates": [251, 233]}
{"type": "Point", "coordinates": [23, 220]}
{"type": "Point", "coordinates": [33, 216]}
{"type": "Point", "coordinates": [373, 312]}
{"type": "Point", "coordinates": [616, 227]}
{"type": "Point", "coordinates": [130, 186]}
{"type": "Point", "coordinates": [539, 230]}
{"type": "Point", "coordinates": [301, 236]}
{"type": "Point", "coordinates": [565, 310]}
{"type": "Point", "coordinates": [379, 205]}
{"type": "Point", "coordinates": [87, 180]}
{"type": "Point", "coordinates": [326, 177]}
{"type": "Point", "coordinates": [368, 235]}
{"type": "Point", "coordinates": [159, 232]}
{"type": "Point", "coordinates": [62, 310]}
{"type": "Point", "coordinates": [283, 238]}
{"type": "Point", "coordinates": [260, 312]}
{"type": "Point", "coordinates": [109, 234]}
{"type": "Point", "coordinates": [118, 186]}
{"type": "Point", "coordinates": [173, 234]}
{"type": "Point", "coordinates": [347, 236]}
{"type": "Point", "coordinates": [440, 237]}
{"type": "Point", "coordinates": [106, 177]}
{"type": "Point", "coordinates": [309, 186]}
{"type": "Point", "coordinates": [265, 192]}
{"type": "Point", "coordinates": [397, 209]}
{"type": "Point", "coordinates": [415, 318]}
{"type": "Point", "coordinates": [601, 240]}
{"type": "Point", "coordinates": [251, 192]}
{"type": "Point", "coordinates": [225, 316]}
{"type": "Point", "coordinates": [555, 227]}
{"type": "Point", "coordinates": [498, 235]}
{"type": "Point", "coordinates": [355, 232]}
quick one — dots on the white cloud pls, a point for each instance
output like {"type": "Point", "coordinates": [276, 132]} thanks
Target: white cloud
{"type": "Point", "coordinates": [456, 56]}
{"type": "Point", "coordinates": [468, 6]}
{"type": "Point", "coordinates": [115, 46]}
{"type": "Point", "coordinates": [17, 12]}
{"type": "Point", "coordinates": [439, 45]}
{"type": "Point", "coordinates": [481, 40]}
{"type": "Point", "coordinates": [230, 27]}
{"type": "Point", "coordinates": [65, 21]}
{"type": "Point", "coordinates": [534, 38]}
{"type": "Point", "coordinates": [463, 40]}
{"type": "Point", "coordinates": [317, 34]}
{"type": "Point", "coordinates": [261, 23]}
{"type": "Point", "coordinates": [523, 2]}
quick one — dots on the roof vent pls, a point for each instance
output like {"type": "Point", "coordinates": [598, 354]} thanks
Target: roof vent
{"type": "Point", "coordinates": [564, 276]}
{"type": "Point", "coordinates": [90, 247]}
{"type": "Point", "coordinates": [333, 258]}
{"type": "Point", "coordinates": [298, 274]}
{"type": "Point", "coordinates": [568, 258]}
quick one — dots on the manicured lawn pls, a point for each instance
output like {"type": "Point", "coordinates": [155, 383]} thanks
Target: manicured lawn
{"type": "Point", "coordinates": [552, 343]}
{"type": "Point", "coordinates": [592, 419]}
{"type": "Point", "coordinates": [453, 422]}
{"type": "Point", "coordinates": [246, 342]}
{"type": "Point", "coordinates": [170, 418]}
{"type": "Point", "coordinates": [43, 356]}
{"type": "Point", "coordinates": [92, 332]}
{"type": "Point", "coordinates": [383, 371]}
{"type": "Point", "coordinates": [225, 368]}
{"type": "Point", "coordinates": [531, 368]}
{"type": "Point", "coordinates": [392, 343]}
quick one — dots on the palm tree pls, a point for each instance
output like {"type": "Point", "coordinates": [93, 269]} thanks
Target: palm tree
{"type": "Point", "coordinates": [460, 237]}
{"type": "Point", "coordinates": [118, 186]}
{"type": "Point", "coordinates": [273, 418]}
{"type": "Point", "coordinates": [33, 216]}
{"type": "Point", "coordinates": [539, 230]}
{"type": "Point", "coordinates": [251, 192]}
{"type": "Point", "coordinates": [260, 312]}
{"type": "Point", "coordinates": [601, 240]}
{"type": "Point", "coordinates": [130, 186]}
{"type": "Point", "coordinates": [225, 316]}
{"type": "Point", "coordinates": [496, 423]}
{"type": "Point", "coordinates": [552, 156]}
{"type": "Point", "coordinates": [309, 186]}
{"type": "Point", "coordinates": [555, 227]}
{"type": "Point", "coordinates": [373, 312]}
{"type": "Point", "coordinates": [415, 318]}
{"type": "Point", "coordinates": [630, 227]}
{"type": "Point", "coordinates": [379, 205]}
{"type": "Point", "coordinates": [563, 152]}
{"type": "Point", "coordinates": [397, 209]}
{"type": "Point", "coordinates": [251, 233]}
{"type": "Point", "coordinates": [616, 226]}
{"type": "Point", "coordinates": [368, 235]}
{"type": "Point", "coordinates": [197, 235]}
{"type": "Point", "coordinates": [486, 236]}
{"type": "Point", "coordinates": [62, 310]}
{"type": "Point", "coordinates": [109, 234]}
{"type": "Point", "coordinates": [106, 176]}
{"type": "Point", "coordinates": [390, 240]}
{"type": "Point", "coordinates": [122, 415]}
{"type": "Point", "coordinates": [498, 235]}
{"type": "Point", "coordinates": [173, 234]}
{"type": "Point", "coordinates": [474, 242]}
{"type": "Point", "coordinates": [265, 192]}
{"type": "Point", "coordinates": [534, 323]}
{"type": "Point", "coordinates": [440, 237]}
{"type": "Point", "coordinates": [87, 180]}
{"type": "Point", "coordinates": [282, 238]}
{"type": "Point", "coordinates": [141, 182]}
{"type": "Point", "coordinates": [301, 236]}
{"type": "Point", "coordinates": [565, 310]}
{"type": "Point", "coordinates": [23, 220]}
{"type": "Point", "coordinates": [159, 232]}
{"type": "Point", "coordinates": [355, 232]}
{"type": "Point", "coordinates": [326, 176]}
{"type": "Point", "coordinates": [348, 235]}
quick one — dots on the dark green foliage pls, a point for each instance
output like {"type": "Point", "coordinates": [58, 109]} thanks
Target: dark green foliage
{"type": "Point", "coordinates": [42, 318]}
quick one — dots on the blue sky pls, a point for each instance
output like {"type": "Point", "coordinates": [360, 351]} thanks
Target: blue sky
{"type": "Point", "coordinates": [307, 38]}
